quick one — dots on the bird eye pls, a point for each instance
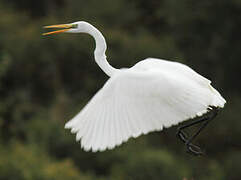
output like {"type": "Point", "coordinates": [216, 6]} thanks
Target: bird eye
{"type": "Point", "coordinates": [74, 26]}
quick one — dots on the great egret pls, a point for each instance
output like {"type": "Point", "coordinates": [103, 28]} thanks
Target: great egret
{"type": "Point", "coordinates": [149, 96]}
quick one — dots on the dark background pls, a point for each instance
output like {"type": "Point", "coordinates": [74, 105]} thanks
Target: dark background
{"type": "Point", "coordinates": [45, 81]}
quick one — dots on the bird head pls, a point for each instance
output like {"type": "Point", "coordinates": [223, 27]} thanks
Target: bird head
{"type": "Point", "coordinates": [76, 27]}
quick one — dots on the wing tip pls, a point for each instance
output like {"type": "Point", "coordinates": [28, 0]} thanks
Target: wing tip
{"type": "Point", "coordinates": [68, 125]}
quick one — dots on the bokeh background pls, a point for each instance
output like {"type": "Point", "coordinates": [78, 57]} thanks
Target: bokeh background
{"type": "Point", "coordinates": [45, 81]}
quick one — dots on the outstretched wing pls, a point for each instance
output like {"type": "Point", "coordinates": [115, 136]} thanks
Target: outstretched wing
{"type": "Point", "coordinates": [133, 103]}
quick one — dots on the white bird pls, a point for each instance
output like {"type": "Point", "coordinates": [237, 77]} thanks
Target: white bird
{"type": "Point", "coordinates": [152, 95]}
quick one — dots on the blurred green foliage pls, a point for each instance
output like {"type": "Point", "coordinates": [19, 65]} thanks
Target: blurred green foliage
{"type": "Point", "coordinates": [44, 81]}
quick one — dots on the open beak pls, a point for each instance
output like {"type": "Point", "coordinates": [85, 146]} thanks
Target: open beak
{"type": "Point", "coordinates": [64, 28]}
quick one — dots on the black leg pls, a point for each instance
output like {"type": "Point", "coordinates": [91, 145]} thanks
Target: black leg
{"type": "Point", "coordinates": [182, 135]}
{"type": "Point", "coordinates": [191, 148]}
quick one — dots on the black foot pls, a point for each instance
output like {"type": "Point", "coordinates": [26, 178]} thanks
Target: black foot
{"type": "Point", "coordinates": [191, 148]}
{"type": "Point", "coordinates": [194, 149]}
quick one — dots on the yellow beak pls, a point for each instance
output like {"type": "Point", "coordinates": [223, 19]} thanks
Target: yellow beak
{"type": "Point", "coordinates": [65, 27]}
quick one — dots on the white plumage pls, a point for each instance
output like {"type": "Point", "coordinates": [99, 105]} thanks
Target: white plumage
{"type": "Point", "coordinates": [152, 95]}
{"type": "Point", "coordinates": [147, 97]}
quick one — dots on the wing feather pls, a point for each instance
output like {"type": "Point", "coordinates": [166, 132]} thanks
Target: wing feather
{"type": "Point", "coordinates": [96, 140]}
{"type": "Point", "coordinates": [134, 103]}
{"type": "Point", "coordinates": [120, 123]}
{"type": "Point", "coordinates": [128, 129]}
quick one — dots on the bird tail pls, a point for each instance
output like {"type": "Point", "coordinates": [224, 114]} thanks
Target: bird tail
{"type": "Point", "coordinates": [218, 100]}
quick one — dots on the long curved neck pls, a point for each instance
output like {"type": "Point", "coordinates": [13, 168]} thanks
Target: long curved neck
{"type": "Point", "coordinates": [99, 53]}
